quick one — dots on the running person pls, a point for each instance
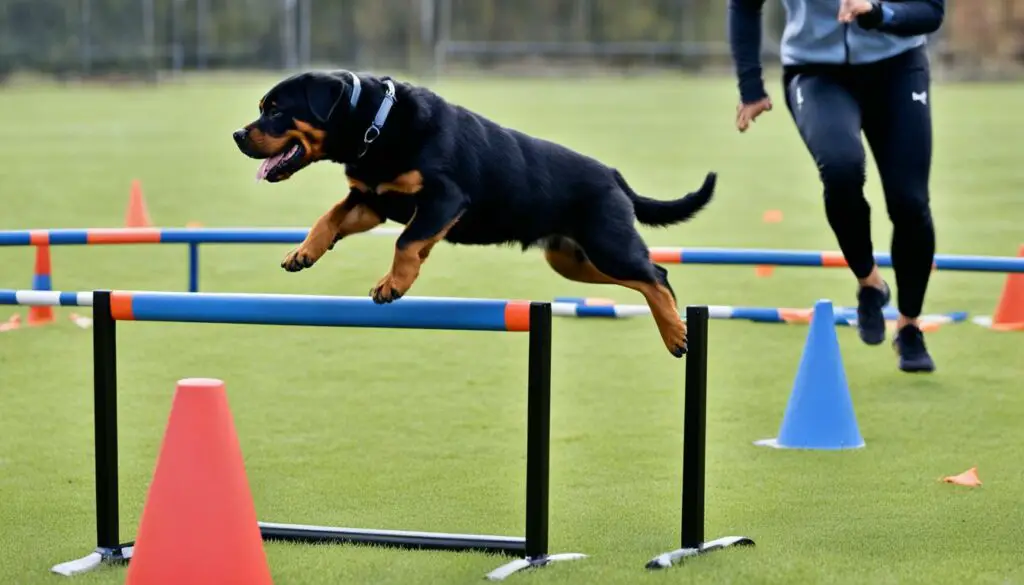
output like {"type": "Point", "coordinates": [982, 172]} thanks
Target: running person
{"type": "Point", "coordinates": [851, 66]}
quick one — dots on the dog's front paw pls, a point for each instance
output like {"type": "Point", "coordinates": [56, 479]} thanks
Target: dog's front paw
{"type": "Point", "coordinates": [387, 290]}
{"type": "Point", "coordinates": [299, 259]}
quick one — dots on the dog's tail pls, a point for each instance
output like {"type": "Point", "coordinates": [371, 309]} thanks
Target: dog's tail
{"type": "Point", "coordinates": [655, 212]}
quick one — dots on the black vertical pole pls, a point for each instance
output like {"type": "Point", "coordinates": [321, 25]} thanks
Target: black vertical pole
{"type": "Point", "coordinates": [104, 342]}
{"type": "Point", "coordinates": [694, 426]}
{"type": "Point", "coordinates": [538, 431]}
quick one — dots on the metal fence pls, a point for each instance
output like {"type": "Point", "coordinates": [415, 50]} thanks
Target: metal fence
{"type": "Point", "coordinates": [90, 38]}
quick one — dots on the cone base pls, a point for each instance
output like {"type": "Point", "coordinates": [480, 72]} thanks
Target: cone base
{"type": "Point", "coordinates": [986, 321]}
{"type": "Point", "coordinates": [775, 444]}
{"type": "Point", "coordinates": [40, 316]}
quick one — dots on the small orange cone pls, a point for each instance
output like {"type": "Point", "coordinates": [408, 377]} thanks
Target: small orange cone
{"type": "Point", "coordinates": [11, 324]}
{"type": "Point", "coordinates": [764, 270]}
{"type": "Point", "coordinates": [199, 523]}
{"type": "Point", "coordinates": [41, 280]}
{"type": "Point", "coordinates": [137, 215]}
{"type": "Point", "coordinates": [772, 216]}
{"type": "Point", "coordinates": [83, 322]}
{"type": "Point", "coordinates": [194, 224]}
{"type": "Point", "coordinates": [968, 478]}
{"type": "Point", "coordinates": [1009, 315]}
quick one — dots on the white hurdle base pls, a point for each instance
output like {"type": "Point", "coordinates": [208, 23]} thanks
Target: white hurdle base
{"type": "Point", "coordinates": [666, 560]}
{"type": "Point", "coordinates": [93, 560]}
{"type": "Point", "coordinates": [517, 565]}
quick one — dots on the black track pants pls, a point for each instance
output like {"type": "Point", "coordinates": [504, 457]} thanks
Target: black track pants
{"type": "Point", "coordinates": [889, 102]}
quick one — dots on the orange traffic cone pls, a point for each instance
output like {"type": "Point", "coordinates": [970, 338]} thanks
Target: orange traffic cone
{"type": "Point", "coordinates": [41, 280]}
{"type": "Point", "coordinates": [14, 322]}
{"type": "Point", "coordinates": [137, 215]}
{"type": "Point", "coordinates": [1009, 315]}
{"type": "Point", "coordinates": [83, 322]}
{"type": "Point", "coordinates": [968, 478]}
{"type": "Point", "coordinates": [199, 523]}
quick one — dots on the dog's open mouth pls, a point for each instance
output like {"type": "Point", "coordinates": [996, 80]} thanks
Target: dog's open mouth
{"type": "Point", "coordinates": [281, 165]}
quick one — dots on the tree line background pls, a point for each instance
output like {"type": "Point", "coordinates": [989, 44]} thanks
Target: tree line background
{"type": "Point", "coordinates": [74, 38]}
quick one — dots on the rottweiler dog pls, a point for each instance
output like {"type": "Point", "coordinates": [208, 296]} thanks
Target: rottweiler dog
{"type": "Point", "coordinates": [450, 174]}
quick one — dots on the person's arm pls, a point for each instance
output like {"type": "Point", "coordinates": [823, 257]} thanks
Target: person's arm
{"type": "Point", "coordinates": [745, 43]}
{"type": "Point", "coordinates": [906, 18]}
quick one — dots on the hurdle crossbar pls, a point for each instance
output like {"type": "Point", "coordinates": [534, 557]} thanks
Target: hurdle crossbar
{"type": "Point", "coordinates": [692, 541]}
{"type": "Point", "coordinates": [844, 316]}
{"type": "Point", "coordinates": [109, 307]}
{"type": "Point", "coordinates": [194, 237]}
{"type": "Point", "coordinates": [827, 259]}
{"type": "Point", "coordinates": [100, 236]}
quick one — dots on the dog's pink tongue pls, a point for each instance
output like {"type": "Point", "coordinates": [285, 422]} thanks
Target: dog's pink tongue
{"type": "Point", "coordinates": [266, 165]}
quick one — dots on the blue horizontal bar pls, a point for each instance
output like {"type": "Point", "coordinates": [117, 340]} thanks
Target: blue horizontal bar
{"type": "Point", "coordinates": [722, 256]}
{"type": "Point", "coordinates": [15, 238]}
{"type": "Point", "coordinates": [232, 235]}
{"type": "Point", "coordinates": [263, 309]}
{"type": "Point", "coordinates": [751, 256]}
{"type": "Point", "coordinates": [39, 298]}
{"type": "Point", "coordinates": [719, 256]}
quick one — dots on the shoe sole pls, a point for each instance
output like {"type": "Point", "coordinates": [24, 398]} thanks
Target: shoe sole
{"type": "Point", "coordinates": [925, 369]}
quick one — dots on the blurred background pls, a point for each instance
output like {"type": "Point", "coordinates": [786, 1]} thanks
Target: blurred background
{"type": "Point", "coordinates": [150, 39]}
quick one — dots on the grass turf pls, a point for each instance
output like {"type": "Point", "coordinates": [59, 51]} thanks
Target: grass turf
{"type": "Point", "coordinates": [424, 430]}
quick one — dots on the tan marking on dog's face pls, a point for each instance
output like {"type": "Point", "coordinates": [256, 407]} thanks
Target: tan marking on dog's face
{"type": "Point", "coordinates": [311, 138]}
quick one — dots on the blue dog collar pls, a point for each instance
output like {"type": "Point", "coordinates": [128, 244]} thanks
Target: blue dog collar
{"type": "Point", "coordinates": [357, 88]}
{"type": "Point", "coordinates": [373, 132]}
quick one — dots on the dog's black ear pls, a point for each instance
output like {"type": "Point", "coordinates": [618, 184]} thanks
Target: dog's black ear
{"type": "Point", "coordinates": [326, 92]}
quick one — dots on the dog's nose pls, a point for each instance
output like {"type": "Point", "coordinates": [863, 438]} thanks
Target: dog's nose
{"type": "Point", "coordinates": [239, 136]}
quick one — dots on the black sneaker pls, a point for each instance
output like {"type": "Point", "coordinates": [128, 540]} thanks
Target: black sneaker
{"type": "Point", "coordinates": [909, 344]}
{"type": "Point", "coordinates": [870, 319]}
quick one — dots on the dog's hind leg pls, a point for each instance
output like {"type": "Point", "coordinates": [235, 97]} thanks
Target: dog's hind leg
{"type": "Point", "coordinates": [624, 262]}
{"type": "Point", "coordinates": [569, 260]}
{"type": "Point", "coordinates": [663, 279]}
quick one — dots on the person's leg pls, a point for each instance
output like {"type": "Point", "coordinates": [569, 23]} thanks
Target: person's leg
{"type": "Point", "coordinates": [897, 123]}
{"type": "Point", "coordinates": [829, 120]}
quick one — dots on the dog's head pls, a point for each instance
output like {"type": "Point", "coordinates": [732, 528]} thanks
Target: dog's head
{"type": "Point", "coordinates": [295, 117]}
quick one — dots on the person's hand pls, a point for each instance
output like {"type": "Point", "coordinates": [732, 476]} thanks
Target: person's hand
{"type": "Point", "coordinates": [849, 10]}
{"type": "Point", "coordinates": [747, 113]}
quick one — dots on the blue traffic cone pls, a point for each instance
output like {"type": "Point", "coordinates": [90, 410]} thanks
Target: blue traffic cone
{"type": "Point", "coordinates": [820, 411]}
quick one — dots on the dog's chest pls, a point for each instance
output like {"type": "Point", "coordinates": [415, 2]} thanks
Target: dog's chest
{"type": "Point", "coordinates": [407, 183]}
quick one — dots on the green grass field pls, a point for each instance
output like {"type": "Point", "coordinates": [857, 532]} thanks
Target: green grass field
{"type": "Point", "coordinates": [425, 430]}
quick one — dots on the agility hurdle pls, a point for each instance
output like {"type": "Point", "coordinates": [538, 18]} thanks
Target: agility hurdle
{"type": "Point", "coordinates": [109, 307]}
{"type": "Point", "coordinates": [694, 446]}
{"type": "Point", "coordinates": [584, 307]}
{"type": "Point", "coordinates": [753, 256]}
{"type": "Point", "coordinates": [194, 237]}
